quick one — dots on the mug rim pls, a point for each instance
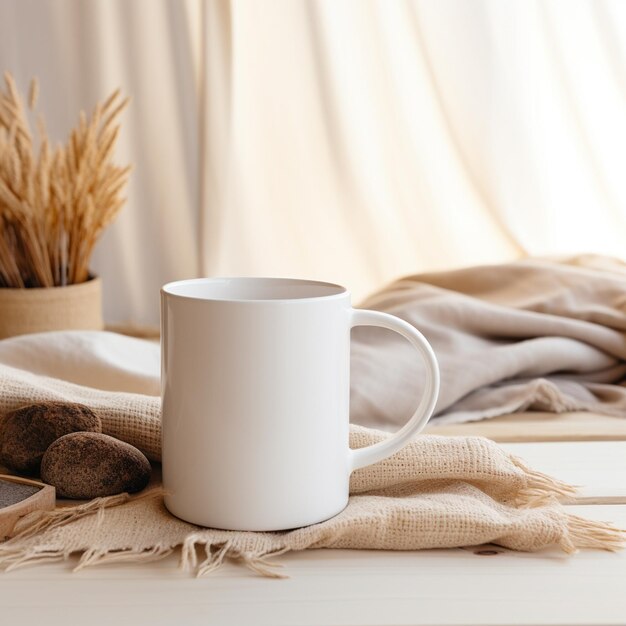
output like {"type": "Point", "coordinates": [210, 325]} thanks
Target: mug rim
{"type": "Point", "coordinates": [167, 289]}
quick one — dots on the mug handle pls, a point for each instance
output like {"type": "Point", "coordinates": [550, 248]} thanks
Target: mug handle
{"type": "Point", "coordinates": [374, 453]}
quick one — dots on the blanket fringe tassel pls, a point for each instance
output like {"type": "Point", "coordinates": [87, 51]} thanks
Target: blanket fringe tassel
{"type": "Point", "coordinates": [216, 553]}
{"type": "Point", "coordinates": [15, 557]}
{"type": "Point", "coordinates": [540, 488]}
{"type": "Point", "coordinates": [585, 533]}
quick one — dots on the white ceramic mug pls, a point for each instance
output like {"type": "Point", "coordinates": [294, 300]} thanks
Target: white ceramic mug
{"type": "Point", "coordinates": [256, 388]}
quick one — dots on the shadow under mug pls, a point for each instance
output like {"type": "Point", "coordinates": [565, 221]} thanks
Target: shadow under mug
{"type": "Point", "coordinates": [255, 400]}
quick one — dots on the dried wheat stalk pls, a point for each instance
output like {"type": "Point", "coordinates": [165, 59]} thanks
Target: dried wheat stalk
{"type": "Point", "coordinates": [55, 203]}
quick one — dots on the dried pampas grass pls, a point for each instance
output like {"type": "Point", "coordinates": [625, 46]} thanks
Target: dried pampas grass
{"type": "Point", "coordinates": [55, 202]}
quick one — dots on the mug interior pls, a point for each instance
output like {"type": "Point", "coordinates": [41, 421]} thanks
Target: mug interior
{"type": "Point", "coordinates": [252, 289]}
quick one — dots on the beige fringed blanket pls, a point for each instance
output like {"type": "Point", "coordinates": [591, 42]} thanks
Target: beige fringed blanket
{"type": "Point", "coordinates": [510, 337]}
{"type": "Point", "coordinates": [438, 492]}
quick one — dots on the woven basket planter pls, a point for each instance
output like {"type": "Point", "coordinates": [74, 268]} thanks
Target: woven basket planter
{"type": "Point", "coordinates": [75, 307]}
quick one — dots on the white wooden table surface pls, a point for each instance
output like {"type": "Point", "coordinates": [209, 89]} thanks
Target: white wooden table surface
{"type": "Point", "coordinates": [362, 587]}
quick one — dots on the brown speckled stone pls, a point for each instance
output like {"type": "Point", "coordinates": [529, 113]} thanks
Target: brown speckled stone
{"type": "Point", "coordinates": [26, 433]}
{"type": "Point", "coordinates": [91, 465]}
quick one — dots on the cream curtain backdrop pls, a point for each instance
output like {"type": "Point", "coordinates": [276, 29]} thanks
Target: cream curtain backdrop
{"type": "Point", "coordinates": [351, 141]}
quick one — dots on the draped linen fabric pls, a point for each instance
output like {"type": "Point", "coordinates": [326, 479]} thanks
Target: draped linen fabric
{"type": "Point", "coordinates": [348, 140]}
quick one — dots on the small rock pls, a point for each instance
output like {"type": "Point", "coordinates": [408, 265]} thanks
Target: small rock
{"type": "Point", "coordinates": [91, 465]}
{"type": "Point", "coordinates": [26, 433]}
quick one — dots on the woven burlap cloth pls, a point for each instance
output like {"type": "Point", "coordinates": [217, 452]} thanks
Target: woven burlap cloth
{"type": "Point", "coordinates": [437, 492]}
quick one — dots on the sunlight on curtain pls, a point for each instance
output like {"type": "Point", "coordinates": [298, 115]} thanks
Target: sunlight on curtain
{"type": "Point", "coordinates": [372, 139]}
{"type": "Point", "coordinates": [339, 161]}
{"type": "Point", "coordinates": [346, 140]}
